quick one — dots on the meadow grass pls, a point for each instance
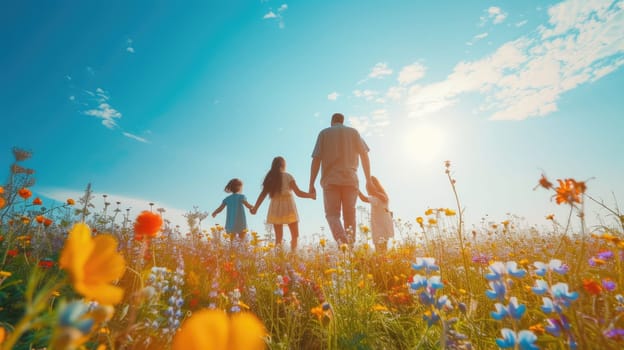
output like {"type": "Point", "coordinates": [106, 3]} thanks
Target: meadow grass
{"type": "Point", "coordinates": [437, 286]}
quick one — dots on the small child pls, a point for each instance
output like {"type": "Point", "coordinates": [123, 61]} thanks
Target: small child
{"type": "Point", "coordinates": [279, 185]}
{"type": "Point", "coordinates": [382, 226]}
{"type": "Point", "coordinates": [235, 222]}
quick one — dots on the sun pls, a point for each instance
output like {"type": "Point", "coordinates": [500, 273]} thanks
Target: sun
{"type": "Point", "coordinates": [424, 143]}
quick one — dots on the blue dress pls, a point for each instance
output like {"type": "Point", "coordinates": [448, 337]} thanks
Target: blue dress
{"type": "Point", "coordinates": [235, 221]}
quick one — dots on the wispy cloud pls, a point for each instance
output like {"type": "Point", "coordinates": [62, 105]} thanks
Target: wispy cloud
{"type": "Point", "coordinates": [367, 94]}
{"type": "Point", "coordinates": [411, 73]}
{"type": "Point", "coordinates": [333, 96]}
{"type": "Point", "coordinates": [380, 70]}
{"type": "Point", "coordinates": [521, 23]}
{"type": "Point", "coordinates": [373, 124]}
{"type": "Point", "coordinates": [103, 110]}
{"type": "Point", "coordinates": [494, 14]}
{"type": "Point", "coordinates": [525, 78]}
{"type": "Point", "coordinates": [129, 47]}
{"type": "Point", "coordinates": [278, 15]}
{"type": "Point", "coordinates": [135, 137]}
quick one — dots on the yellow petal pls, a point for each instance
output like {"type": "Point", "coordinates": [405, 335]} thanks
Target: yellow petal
{"type": "Point", "coordinates": [103, 293]}
{"type": "Point", "coordinates": [76, 251]}
{"type": "Point", "coordinates": [246, 332]}
{"type": "Point", "coordinates": [204, 330]}
{"type": "Point", "coordinates": [105, 264]}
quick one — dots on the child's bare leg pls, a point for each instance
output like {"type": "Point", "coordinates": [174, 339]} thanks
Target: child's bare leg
{"type": "Point", "coordinates": [294, 235]}
{"type": "Point", "coordinates": [279, 233]}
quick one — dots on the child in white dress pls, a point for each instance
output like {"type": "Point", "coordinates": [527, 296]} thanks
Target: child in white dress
{"type": "Point", "coordinates": [381, 226]}
{"type": "Point", "coordinates": [279, 185]}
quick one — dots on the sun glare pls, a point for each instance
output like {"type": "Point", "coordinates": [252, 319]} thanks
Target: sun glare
{"type": "Point", "coordinates": [424, 143]}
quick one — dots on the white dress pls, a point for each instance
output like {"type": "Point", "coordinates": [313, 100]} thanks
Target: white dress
{"type": "Point", "coordinates": [282, 209]}
{"type": "Point", "coordinates": [382, 226]}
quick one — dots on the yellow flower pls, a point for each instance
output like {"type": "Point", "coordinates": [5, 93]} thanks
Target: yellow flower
{"type": "Point", "coordinates": [364, 229]}
{"type": "Point", "coordinates": [432, 221]}
{"type": "Point", "coordinates": [2, 333]}
{"type": "Point", "coordinates": [429, 211]}
{"type": "Point", "coordinates": [379, 307]}
{"type": "Point", "coordinates": [214, 330]}
{"type": "Point", "coordinates": [323, 242]}
{"type": "Point", "coordinates": [419, 220]}
{"type": "Point", "coordinates": [449, 212]}
{"type": "Point", "coordinates": [93, 263]}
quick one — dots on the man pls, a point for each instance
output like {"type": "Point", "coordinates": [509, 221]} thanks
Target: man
{"type": "Point", "coordinates": [337, 153]}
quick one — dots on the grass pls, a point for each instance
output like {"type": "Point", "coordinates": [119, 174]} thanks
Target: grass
{"type": "Point", "coordinates": [437, 287]}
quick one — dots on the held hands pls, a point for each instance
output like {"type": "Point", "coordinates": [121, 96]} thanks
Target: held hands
{"type": "Point", "coordinates": [312, 192]}
{"type": "Point", "coordinates": [253, 210]}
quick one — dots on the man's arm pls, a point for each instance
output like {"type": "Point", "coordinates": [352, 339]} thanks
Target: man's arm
{"type": "Point", "coordinates": [366, 167]}
{"type": "Point", "coordinates": [314, 169]}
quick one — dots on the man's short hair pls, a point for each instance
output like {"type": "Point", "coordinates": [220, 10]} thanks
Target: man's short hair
{"type": "Point", "coordinates": [337, 118]}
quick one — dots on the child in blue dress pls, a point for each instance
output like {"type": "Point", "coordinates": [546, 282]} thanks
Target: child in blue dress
{"type": "Point", "coordinates": [236, 221]}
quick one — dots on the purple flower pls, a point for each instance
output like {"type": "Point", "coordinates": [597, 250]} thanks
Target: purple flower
{"type": "Point", "coordinates": [605, 255]}
{"type": "Point", "coordinates": [497, 291]}
{"type": "Point", "coordinates": [481, 259]}
{"type": "Point", "coordinates": [615, 333]}
{"type": "Point", "coordinates": [608, 284]}
{"type": "Point", "coordinates": [554, 265]}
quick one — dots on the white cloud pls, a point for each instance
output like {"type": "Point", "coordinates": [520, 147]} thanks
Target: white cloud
{"type": "Point", "coordinates": [279, 16]}
{"type": "Point", "coordinates": [380, 70]}
{"type": "Point", "coordinates": [480, 36]}
{"type": "Point", "coordinates": [359, 123]}
{"type": "Point", "coordinates": [269, 15]}
{"type": "Point", "coordinates": [366, 94]}
{"type": "Point", "coordinates": [136, 205]}
{"type": "Point", "coordinates": [105, 112]}
{"type": "Point", "coordinates": [524, 78]}
{"type": "Point", "coordinates": [129, 48]}
{"type": "Point", "coordinates": [134, 137]}
{"type": "Point", "coordinates": [333, 96]}
{"type": "Point", "coordinates": [411, 73]}
{"type": "Point", "coordinates": [521, 23]}
{"type": "Point", "coordinates": [395, 92]}
{"type": "Point", "coordinates": [496, 14]}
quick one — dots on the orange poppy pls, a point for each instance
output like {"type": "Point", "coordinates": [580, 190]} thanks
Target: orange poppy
{"type": "Point", "coordinates": [2, 202]}
{"type": "Point", "coordinates": [37, 201]}
{"type": "Point", "coordinates": [147, 225]}
{"type": "Point", "coordinates": [543, 181]}
{"type": "Point", "coordinates": [47, 222]}
{"type": "Point", "coordinates": [70, 201]}
{"type": "Point", "coordinates": [569, 191]}
{"type": "Point", "coordinates": [39, 219]}
{"type": "Point", "coordinates": [592, 287]}
{"type": "Point", "coordinates": [24, 193]}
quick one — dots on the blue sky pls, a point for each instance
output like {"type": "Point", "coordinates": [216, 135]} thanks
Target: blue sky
{"type": "Point", "coordinates": [165, 102]}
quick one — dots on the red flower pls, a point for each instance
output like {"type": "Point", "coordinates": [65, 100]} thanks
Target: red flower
{"type": "Point", "coordinates": [12, 252]}
{"type": "Point", "coordinates": [592, 287]}
{"type": "Point", "coordinates": [569, 191]}
{"type": "Point", "coordinates": [24, 193]}
{"type": "Point", "coordinates": [47, 222]}
{"type": "Point", "coordinates": [37, 201]}
{"type": "Point", "coordinates": [46, 264]}
{"type": "Point", "coordinates": [147, 225]}
{"type": "Point", "coordinates": [39, 219]}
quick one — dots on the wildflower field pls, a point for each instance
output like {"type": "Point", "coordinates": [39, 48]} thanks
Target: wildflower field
{"type": "Point", "coordinates": [75, 278]}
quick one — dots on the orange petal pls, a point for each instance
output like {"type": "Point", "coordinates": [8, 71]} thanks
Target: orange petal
{"type": "Point", "coordinates": [246, 332]}
{"type": "Point", "coordinates": [204, 330]}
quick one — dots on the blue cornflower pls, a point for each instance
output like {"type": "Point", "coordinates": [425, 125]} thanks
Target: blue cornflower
{"type": "Point", "coordinates": [497, 291]}
{"type": "Point", "coordinates": [425, 263]}
{"type": "Point", "coordinates": [435, 282]}
{"type": "Point", "coordinates": [419, 281]}
{"type": "Point", "coordinates": [560, 292]}
{"type": "Point", "coordinates": [524, 339]}
{"type": "Point", "coordinates": [499, 269]}
{"type": "Point", "coordinates": [431, 317]}
{"type": "Point", "coordinates": [513, 310]}
{"type": "Point", "coordinates": [554, 265]}
{"type": "Point", "coordinates": [444, 303]}
{"type": "Point", "coordinates": [541, 287]}
{"type": "Point", "coordinates": [548, 306]}
{"type": "Point", "coordinates": [73, 314]}
{"type": "Point", "coordinates": [553, 326]}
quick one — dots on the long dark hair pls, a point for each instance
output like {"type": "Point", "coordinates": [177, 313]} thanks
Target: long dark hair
{"type": "Point", "coordinates": [272, 183]}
